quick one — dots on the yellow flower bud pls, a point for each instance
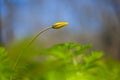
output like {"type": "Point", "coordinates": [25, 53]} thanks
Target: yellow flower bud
{"type": "Point", "coordinates": [59, 25]}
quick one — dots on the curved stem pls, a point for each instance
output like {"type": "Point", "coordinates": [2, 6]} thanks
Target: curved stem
{"type": "Point", "coordinates": [25, 48]}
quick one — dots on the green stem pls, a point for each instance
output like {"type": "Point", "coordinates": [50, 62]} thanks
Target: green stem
{"type": "Point", "coordinates": [75, 63]}
{"type": "Point", "coordinates": [25, 48]}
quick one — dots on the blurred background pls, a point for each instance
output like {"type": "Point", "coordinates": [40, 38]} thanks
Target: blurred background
{"type": "Point", "coordinates": [90, 21]}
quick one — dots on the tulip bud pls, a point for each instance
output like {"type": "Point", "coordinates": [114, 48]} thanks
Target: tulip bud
{"type": "Point", "coordinates": [59, 25]}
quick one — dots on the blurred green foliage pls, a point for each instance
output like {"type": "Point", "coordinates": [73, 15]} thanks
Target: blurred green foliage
{"type": "Point", "coordinates": [68, 61]}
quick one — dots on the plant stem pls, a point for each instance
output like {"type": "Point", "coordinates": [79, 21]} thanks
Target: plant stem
{"type": "Point", "coordinates": [25, 48]}
{"type": "Point", "coordinates": [75, 63]}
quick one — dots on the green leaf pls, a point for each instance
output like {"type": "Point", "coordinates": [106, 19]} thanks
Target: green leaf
{"type": "Point", "coordinates": [95, 55]}
{"type": "Point", "coordinates": [4, 64]}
